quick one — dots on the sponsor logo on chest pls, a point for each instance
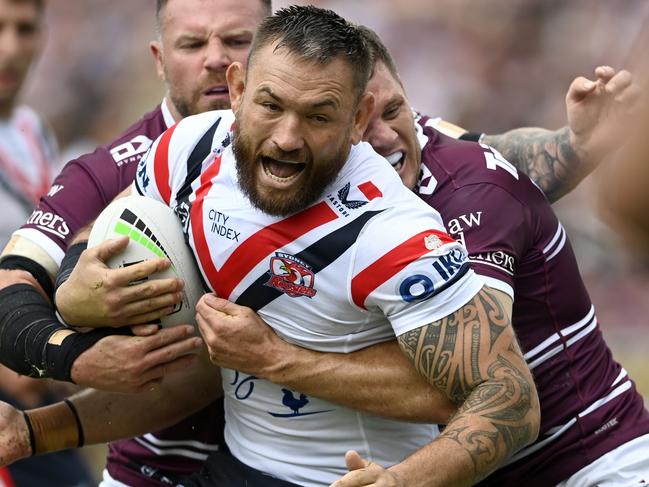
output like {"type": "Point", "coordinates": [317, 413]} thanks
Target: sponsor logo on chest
{"type": "Point", "coordinates": [219, 225]}
{"type": "Point", "coordinates": [457, 226]}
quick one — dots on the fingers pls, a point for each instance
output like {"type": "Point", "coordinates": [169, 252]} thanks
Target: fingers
{"type": "Point", "coordinates": [107, 249]}
{"type": "Point", "coordinates": [152, 288]}
{"type": "Point", "coordinates": [623, 88]}
{"type": "Point", "coordinates": [580, 88]}
{"type": "Point", "coordinates": [604, 73]}
{"type": "Point", "coordinates": [205, 329]}
{"type": "Point", "coordinates": [210, 302]}
{"type": "Point", "coordinates": [154, 376]}
{"type": "Point", "coordinates": [354, 461]}
{"type": "Point", "coordinates": [167, 336]}
{"type": "Point", "coordinates": [144, 330]}
{"type": "Point", "coordinates": [149, 317]}
{"type": "Point", "coordinates": [144, 302]}
{"type": "Point", "coordinates": [137, 272]}
{"type": "Point", "coordinates": [164, 356]}
{"type": "Point", "coordinates": [619, 82]}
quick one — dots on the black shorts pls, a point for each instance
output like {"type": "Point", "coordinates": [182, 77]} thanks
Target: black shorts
{"type": "Point", "coordinates": [222, 469]}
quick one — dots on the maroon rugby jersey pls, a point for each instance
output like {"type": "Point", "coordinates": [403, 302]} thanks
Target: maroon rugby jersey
{"type": "Point", "coordinates": [589, 405]}
{"type": "Point", "coordinates": [80, 192]}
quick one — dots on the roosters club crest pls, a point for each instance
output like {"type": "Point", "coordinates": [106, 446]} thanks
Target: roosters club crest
{"type": "Point", "coordinates": [291, 276]}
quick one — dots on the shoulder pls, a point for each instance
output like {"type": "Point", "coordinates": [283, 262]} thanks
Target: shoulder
{"type": "Point", "coordinates": [182, 149]}
{"type": "Point", "coordinates": [456, 163]}
{"type": "Point", "coordinates": [195, 138]}
{"type": "Point", "coordinates": [136, 140]}
{"type": "Point", "coordinates": [196, 126]}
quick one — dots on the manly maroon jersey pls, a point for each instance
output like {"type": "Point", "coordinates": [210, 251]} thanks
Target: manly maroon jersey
{"type": "Point", "coordinates": [80, 192]}
{"type": "Point", "coordinates": [589, 405]}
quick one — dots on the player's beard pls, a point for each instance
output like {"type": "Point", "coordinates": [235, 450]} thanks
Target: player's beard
{"type": "Point", "coordinates": [186, 107]}
{"type": "Point", "coordinates": [276, 202]}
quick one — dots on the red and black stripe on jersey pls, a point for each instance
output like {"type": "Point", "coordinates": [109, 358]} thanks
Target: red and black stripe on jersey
{"type": "Point", "coordinates": [319, 255]}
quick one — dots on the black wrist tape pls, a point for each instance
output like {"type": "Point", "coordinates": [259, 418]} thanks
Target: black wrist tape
{"type": "Point", "coordinates": [69, 262]}
{"type": "Point", "coordinates": [27, 321]}
{"type": "Point", "coordinates": [59, 359]}
{"type": "Point", "coordinates": [18, 262]}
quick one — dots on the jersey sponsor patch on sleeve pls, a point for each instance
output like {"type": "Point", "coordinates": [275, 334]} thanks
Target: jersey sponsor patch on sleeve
{"type": "Point", "coordinates": [49, 223]}
{"type": "Point", "coordinates": [132, 150]}
{"type": "Point", "coordinates": [396, 261]}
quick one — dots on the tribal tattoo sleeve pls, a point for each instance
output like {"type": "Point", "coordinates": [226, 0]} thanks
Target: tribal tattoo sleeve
{"type": "Point", "coordinates": [546, 156]}
{"type": "Point", "coordinates": [472, 356]}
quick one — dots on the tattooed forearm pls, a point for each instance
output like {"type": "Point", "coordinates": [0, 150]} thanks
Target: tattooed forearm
{"type": "Point", "coordinates": [546, 156]}
{"type": "Point", "coordinates": [472, 356]}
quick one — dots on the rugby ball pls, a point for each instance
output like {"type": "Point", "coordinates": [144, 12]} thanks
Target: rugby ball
{"type": "Point", "coordinates": [154, 231]}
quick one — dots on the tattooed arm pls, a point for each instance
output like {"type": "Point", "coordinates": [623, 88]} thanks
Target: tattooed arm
{"type": "Point", "coordinates": [558, 160]}
{"type": "Point", "coordinates": [473, 357]}
{"type": "Point", "coordinates": [546, 156]}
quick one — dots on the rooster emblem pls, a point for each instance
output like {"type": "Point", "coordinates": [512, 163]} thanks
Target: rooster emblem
{"type": "Point", "coordinates": [290, 401]}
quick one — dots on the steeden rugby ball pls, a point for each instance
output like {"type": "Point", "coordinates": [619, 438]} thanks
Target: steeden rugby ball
{"type": "Point", "coordinates": [154, 231]}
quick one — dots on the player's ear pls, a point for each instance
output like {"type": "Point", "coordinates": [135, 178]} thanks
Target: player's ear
{"type": "Point", "coordinates": [236, 77]}
{"type": "Point", "coordinates": [156, 49]}
{"type": "Point", "coordinates": [362, 116]}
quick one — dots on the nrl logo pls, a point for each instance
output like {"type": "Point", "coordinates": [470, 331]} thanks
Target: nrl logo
{"type": "Point", "coordinates": [291, 276]}
{"type": "Point", "coordinates": [432, 242]}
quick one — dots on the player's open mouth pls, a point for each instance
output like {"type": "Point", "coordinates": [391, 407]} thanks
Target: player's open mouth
{"type": "Point", "coordinates": [396, 159]}
{"type": "Point", "coordinates": [280, 170]}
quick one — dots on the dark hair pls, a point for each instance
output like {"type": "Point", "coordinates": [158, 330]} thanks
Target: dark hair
{"type": "Point", "coordinates": [318, 35]}
{"type": "Point", "coordinates": [160, 4]}
{"type": "Point", "coordinates": [378, 51]}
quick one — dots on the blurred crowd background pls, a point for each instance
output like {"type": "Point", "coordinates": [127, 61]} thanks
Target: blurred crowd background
{"type": "Point", "coordinates": [487, 65]}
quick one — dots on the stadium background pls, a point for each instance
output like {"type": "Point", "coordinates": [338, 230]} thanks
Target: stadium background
{"type": "Point", "coordinates": [488, 65]}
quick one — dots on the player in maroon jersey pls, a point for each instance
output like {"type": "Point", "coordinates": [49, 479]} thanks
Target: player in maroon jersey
{"type": "Point", "coordinates": [591, 412]}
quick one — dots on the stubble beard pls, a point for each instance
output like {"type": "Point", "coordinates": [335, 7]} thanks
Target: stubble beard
{"type": "Point", "coordinates": [282, 202]}
{"type": "Point", "coordinates": [187, 108]}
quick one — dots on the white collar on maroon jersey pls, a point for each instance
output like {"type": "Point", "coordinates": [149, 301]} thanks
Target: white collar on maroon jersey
{"type": "Point", "coordinates": [422, 138]}
{"type": "Point", "coordinates": [166, 113]}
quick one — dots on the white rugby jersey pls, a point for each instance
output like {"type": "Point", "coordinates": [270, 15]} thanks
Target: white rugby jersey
{"type": "Point", "coordinates": [367, 261]}
{"type": "Point", "coordinates": [27, 157]}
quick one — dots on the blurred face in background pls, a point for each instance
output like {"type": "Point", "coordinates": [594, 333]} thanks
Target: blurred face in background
{"type": "Point", "coordinates": [21, 37]}
{"type": "Point", "coordinates": [391, 130]}
{"type": "Point", "coordinates": [198, 40]}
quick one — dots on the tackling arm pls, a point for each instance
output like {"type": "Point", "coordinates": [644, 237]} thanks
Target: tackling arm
{"type": "Point", "coordinates": [557, 160]}
{"type": "Point", "coordinates": [105, 416]}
